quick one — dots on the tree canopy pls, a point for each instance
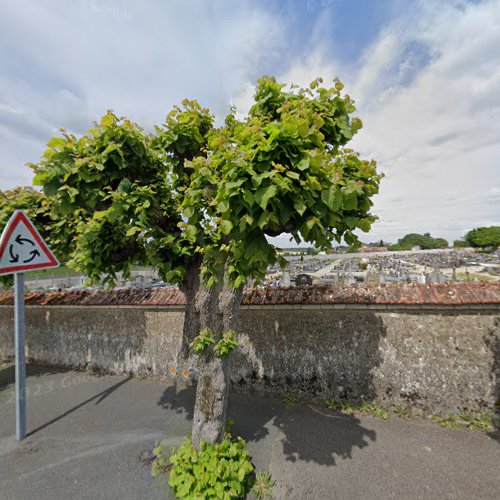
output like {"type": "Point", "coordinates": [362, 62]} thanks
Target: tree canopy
{"type": "Point", "coordinates": [189, 189]}
{"type": "Point", "coordinates": [460, 244]}
{"type": "Point", "coordinates": [483, 237]}
{"type": "Point", "coordinates": [424, 241]}
{"type": "Point", "coordinates": [32, 202]}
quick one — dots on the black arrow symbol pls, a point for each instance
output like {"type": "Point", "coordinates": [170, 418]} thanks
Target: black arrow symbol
{"type": "Point", "coordinates": [33, 253]}
{"type": "Point", "coordinates": [20, 240]}
{"type": "Point", "coordinates": [13, 258]}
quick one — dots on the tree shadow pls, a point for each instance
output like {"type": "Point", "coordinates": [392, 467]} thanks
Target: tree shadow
{"type": "Point", "coordinates": [301, 352]}
{"type": "Point", "coordinates": [310, 351]}
{"type": "Point", "coordinates": [493, 341]}
{"type": "Point", "coordinates": [327, 437]}
{"type": "Point", "coordinates": [306, 432]}
{"type": "Point", "coordinates": [179, 398]}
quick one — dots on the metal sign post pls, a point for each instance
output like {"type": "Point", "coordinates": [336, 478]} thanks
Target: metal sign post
{"type": "Point", "coordinates": [20, 356]}
{"type": "Point", "coordinates": [22, 249]}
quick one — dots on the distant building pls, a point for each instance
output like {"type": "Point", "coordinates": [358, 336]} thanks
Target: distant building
{"type": "Point", "coordinates": [372, 249]}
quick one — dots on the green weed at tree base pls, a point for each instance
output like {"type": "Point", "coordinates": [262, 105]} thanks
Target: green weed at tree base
{"type": "Point", "coordinates": [219, 470]}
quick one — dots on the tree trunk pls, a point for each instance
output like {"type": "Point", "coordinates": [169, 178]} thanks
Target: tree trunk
{"type": "Point", "coordinates": [191, 328]}
{"type": "Point", "coordinates": [219, 310]}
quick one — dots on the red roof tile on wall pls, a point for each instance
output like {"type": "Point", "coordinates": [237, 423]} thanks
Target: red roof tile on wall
{"type": "Point", "coordinates": [395, 294]}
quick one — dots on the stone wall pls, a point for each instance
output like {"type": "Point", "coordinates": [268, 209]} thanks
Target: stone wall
{"type": "Point", "coordinates": [437, 357]}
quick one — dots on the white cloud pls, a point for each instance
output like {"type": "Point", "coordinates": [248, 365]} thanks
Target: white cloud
{"type": "Point", "coordinates": [66, 63]}
{"type": "Point", "coordinates": [427, 91]}
{"type": "Point", "coordinates": [426, 88]}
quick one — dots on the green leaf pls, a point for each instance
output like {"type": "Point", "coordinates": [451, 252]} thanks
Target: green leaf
{"type": "Point", "coordinates": [133, 230]}
{"type": "Point", "coordinates": [263, 195]}
{"type": "Point", "coordinates": [364, 225]}
{"type": "Point", "coordinates": [300, 206]}
{"type": "Point", "coordinates": [234, 184]}
{"type": "Point", "coordinates": [124, 186]}
{"type": "Point", "coordinates": [107, 120]}
{"type": "Point", "coordinates": [349, 201]}
{"type": "Point", "coordinates": [351, 222]}
{"type": "Point", "coordinates": [188, 211]}
{"type": "Point", "coordinates": [56, 143]}
{"type": "Point", "coordinates": [226, 226]}
{"type": "Point", "coordinates": [313, 221]}
{"type": "Point", "coordinates": [292, 174]}
{"type": "Point", "coordinates": [316, 161]}
{"type": "Point", "coordinates": [191, 232]}
{"type": "Point", "coordinates": [39, 178]}
{"type": "Point", "coordinates": [223, 206]}
{"type": "Point", "coordinates": [304, 163]}
{"type": "Point", "coordinates": [356, 124]}
{"type": "Point", "coordinates": [248, 219]}
{"type": "Point", "coordinates": [257, 180]}
{"type": "Point", "coordinates": [331, 197]}
{"type": "Point", "coordinates": [264, 219]}
{"type": "Point", "coordinates": [249, 198]}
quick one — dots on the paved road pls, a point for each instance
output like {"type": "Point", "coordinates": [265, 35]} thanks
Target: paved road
{"type": "Point", "coordinates": [87, 433]}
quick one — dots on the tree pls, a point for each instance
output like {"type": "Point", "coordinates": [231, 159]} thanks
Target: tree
{"type": "Point", "coordinates": [439, 243]}
{"type": "Point", "coordinates": [460, 244]}
{"type": "Point", "coordinates": [424, 241]}
{"type": "Point", "coordinates": [483, 237]}
{"type": "Point", "coordinates": [33, 203]}
{"type": "Point", "coordinates": [197, 202]}
{"type": "Point", "coordinates": [29, 200]}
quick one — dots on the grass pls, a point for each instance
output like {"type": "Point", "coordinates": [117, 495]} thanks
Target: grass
{"type": "Point", "coordinates": [263, 486]}
{"type": "Point", "coordinates": [402, 411]}
{"type": "Point", "coordinates": [290, 399]}
{"type": "Point", "coordinates": [364, 408]}
{"type": "Point", "coordinates": [463, 420]}
{"type": "Point", "coordinates": [480, 422]}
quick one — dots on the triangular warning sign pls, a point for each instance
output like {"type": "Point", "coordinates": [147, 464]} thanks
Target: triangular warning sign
{"type": "Point", "coordinates": [22, 248]}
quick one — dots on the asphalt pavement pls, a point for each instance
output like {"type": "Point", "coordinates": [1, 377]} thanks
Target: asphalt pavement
{"type": "Point", "coordinates": [87, 433]}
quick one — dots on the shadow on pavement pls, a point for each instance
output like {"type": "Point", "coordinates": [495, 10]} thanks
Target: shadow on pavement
{"type": "Point", "coordinates": [101, 396]}
{"type": "Point", "coordinates": [179, 399]}
{"type": "Point", "coordinates": [307, 434]}
{"type": "Point", "coordinates": [7, 372]}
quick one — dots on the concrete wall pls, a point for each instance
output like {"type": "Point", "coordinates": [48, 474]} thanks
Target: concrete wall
{"type": "Point", "coordinates": [437, 358]}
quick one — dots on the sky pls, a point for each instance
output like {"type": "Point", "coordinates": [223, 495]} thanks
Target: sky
{"type": "Point", "coordinates": [425, 75]}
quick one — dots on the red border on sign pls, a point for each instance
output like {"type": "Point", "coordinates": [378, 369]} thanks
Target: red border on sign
{"type": "Point", "coordinates": [21, 217]}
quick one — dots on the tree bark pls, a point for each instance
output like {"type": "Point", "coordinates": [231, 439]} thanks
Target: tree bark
{"type": "Point", "coordinates": [190, 288]}
{"type": "Point", "coordinates": [191, 327]}
{"type": "Point", "coordinates": [219, 310]}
